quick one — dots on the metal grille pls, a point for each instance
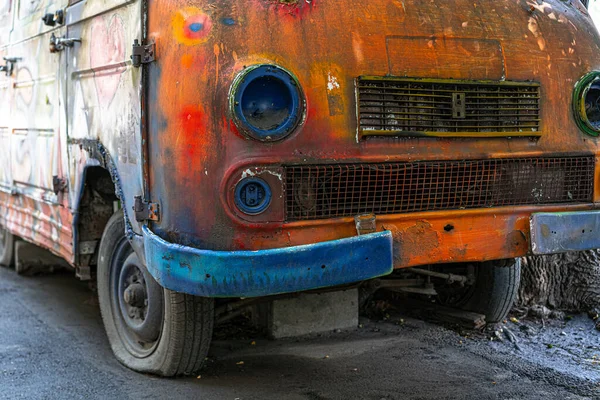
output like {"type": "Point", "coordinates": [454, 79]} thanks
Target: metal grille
{"type": "Point", "coordinates": [328, 191]}
{"type": "Point", "coordinates": [411, 107]}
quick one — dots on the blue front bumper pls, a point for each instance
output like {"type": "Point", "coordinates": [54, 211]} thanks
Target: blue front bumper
{"type": "Point", "coordinates": [266, 272]}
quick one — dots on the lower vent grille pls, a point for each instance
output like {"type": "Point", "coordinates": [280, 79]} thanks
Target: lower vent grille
{"type": "Point", "coordinates": [329, 191]}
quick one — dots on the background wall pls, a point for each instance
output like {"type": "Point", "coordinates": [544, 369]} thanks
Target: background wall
{"type": "Point", "coordinates": [594, 8]}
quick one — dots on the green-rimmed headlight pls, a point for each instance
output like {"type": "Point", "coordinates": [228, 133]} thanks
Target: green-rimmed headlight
{"type": "Point", "coordinates": [586, 103]}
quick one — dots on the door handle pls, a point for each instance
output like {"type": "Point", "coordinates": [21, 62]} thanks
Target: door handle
{"type": "Point", "coordinates": [9, 67]}
{"type": "Point", "coordinates": [59, 44]}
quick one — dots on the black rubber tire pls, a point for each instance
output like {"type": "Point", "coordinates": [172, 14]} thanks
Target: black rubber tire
{"type": "Point", "coordinates": [7, 248]}
{"type": "Point", "coordinates": [187, 322]}
{"type": "Point", "coordinates": [495, 290]}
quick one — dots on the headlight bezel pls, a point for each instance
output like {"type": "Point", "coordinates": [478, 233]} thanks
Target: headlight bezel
{"type": "Point", "coordinates": [297, 107]}
{"type": "Point", "coordinates": [580, 92]}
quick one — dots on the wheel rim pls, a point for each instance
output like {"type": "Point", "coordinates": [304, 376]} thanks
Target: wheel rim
{"type": "Point", "coordinates": [137, 302]}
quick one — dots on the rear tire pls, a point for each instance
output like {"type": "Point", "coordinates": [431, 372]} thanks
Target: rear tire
{"type": "Point", "coordinates": [150, 329]}
{"type": "Point", "coordinates": [494, 291]}
{"type": "Point", "coordinates": [7, 248]}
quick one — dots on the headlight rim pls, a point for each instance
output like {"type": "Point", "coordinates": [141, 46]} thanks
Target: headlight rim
{"type": "Point", "coordinates": [293, 121]}
{"type": "Point", "coordinates": [582, 87]}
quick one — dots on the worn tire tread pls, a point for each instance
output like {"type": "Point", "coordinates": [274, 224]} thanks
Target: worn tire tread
{"type": "Point", "coordinates": [187, 328]}
{"type": "Point", "coordinates": [497, 289]}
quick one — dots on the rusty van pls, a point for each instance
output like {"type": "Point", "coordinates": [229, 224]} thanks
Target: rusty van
{"type": "Point", "coordinates": [187, 153]}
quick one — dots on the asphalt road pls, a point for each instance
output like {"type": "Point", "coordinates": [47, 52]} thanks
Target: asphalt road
{"type": "Point", "coordinates": [52, 346]}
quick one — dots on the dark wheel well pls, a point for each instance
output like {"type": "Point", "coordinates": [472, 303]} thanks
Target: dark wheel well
{"type": "Point", "coordinates": [97, 205]}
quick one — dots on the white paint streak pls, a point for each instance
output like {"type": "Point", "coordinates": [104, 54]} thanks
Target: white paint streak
{"type": "Point", "coordinates": [534, 28]}
{"type": "Point", "coordinates": [541, 7]}
{"type": "Point", "coordinates": [248, 173]}
{"type": "Point", "coordinates": [332, 82]}
{"type": "Point", "coordinates": [275, 174]}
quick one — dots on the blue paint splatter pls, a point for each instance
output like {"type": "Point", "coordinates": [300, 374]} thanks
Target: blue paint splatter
{"type": "Point", "coordinates": [196, 27]}
{"type": "Point", "coordinates": [228, 21]}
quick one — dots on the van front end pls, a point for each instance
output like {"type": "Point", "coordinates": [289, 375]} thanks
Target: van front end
{"type": "Point", "coordinates": [312, 144]}
{"type": "Point", "coordinates": [252, 148]}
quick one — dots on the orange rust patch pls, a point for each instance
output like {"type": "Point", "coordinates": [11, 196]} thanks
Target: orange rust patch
{"type": "Point", "coordinates": [290, 8]}
{"type": "Point", "coordinates": [420, 238]}
{"type": "Point", "coordinates": [516, 242]}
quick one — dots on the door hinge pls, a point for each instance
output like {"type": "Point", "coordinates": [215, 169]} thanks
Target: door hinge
{"type": "Point", "coordinates": [145, 211]}
{"type": "Point", "coordinates": [142, 53]}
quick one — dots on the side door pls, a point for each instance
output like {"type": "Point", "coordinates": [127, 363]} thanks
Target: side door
{"type": "Point", "coordinates": [36, 132]}
{"type": "Point", "coordinates": [103, 90]}
{"type": "Point", "coordinates": [6, 21]}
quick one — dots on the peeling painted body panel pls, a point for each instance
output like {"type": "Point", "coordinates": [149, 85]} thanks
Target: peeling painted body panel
{"type": "Point", "coordinates": [55, 103]}
{"type": "Point", "coordinates": [266, 272]}
{"type": "Point", "coordinates": [34, 148]}
{"type": "Point", "coordinates": [104, 91]}
{"type": "Point", "coordinates": [560, 232]}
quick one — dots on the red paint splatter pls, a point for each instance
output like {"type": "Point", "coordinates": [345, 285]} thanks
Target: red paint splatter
{"type": "Point", "coordinates": [197, 26]}
{"type": "Point", "coordinates": [190, 140]}
{"type": "Point", "coordinates": [298, 9]}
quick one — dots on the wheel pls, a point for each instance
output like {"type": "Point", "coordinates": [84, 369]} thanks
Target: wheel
{"type": "Point", "coordinates": [150, 329]}
{"type": "Point", "coordinates": [7, 248]}
{"type": "Point", "coordinates": [493, 292]}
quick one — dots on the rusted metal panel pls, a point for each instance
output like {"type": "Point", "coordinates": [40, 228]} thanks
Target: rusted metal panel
{"type": "Point", "coordinates": [44, 223]}
{"type": "Point", "coordinates": [92, 108]}
{"type": "Point", "coordinates": [196, 150]}
{"type": "Point", "coordinates": [462, 58]}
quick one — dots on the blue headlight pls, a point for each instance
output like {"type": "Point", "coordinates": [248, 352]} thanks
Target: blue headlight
{"type": "Point", "coordinates": [252, 195]}
{"type": "Point", "coordinates": [267, 102]}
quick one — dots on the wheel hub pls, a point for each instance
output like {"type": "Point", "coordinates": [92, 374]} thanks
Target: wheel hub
{"type": "Point", "coordinates": [140, 301]}
{"type": "Point", "coordinates": [135, 295]}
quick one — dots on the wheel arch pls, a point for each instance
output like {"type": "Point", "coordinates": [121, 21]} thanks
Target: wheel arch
{"type": "Point", "coordinates": [98, 195]}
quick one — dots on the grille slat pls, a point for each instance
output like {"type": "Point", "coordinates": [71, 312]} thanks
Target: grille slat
{"type": "Point", "coordinates": [405, 107]}
{"type": "Point", "coordinates": [330, 191]}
